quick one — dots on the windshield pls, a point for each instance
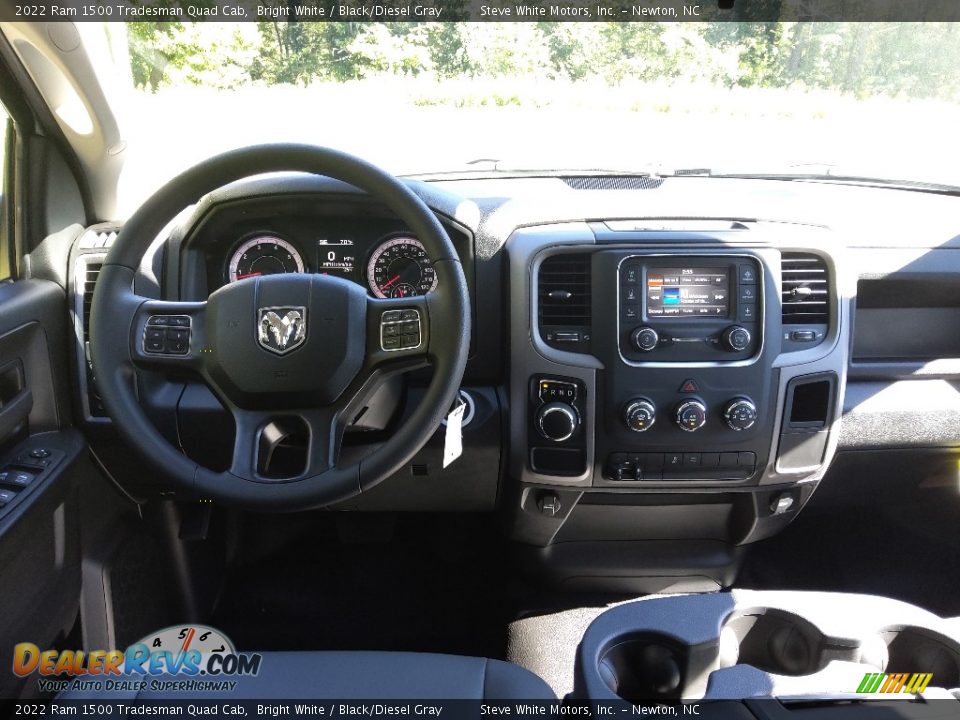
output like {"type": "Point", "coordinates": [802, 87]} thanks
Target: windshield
{"type": "Point", "coordinates": [876, 100]}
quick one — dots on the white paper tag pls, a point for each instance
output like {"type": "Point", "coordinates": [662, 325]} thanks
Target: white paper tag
{"type": "Point", "coordinates": [453, 438]}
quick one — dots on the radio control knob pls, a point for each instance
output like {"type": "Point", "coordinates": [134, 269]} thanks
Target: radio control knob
{"type": "Point", "coordinates": [557, 421]}
{"type": "Point", "coordinates": [740, 413]}
{"type": "Point", "coordinates": [640, 415]}
{"type": "Point", "coordinates": [691, 415]}
{"type": "Point", "coordinates": [735, 338]}
{"type": "Point", "coordinates": [644, 339]}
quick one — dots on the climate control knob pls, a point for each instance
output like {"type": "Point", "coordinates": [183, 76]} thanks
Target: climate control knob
{"type": "Point", "coordinates": [557, 421]}
{"type": "Point", "coordinates": [640, 415]}
{"type": "Point", "coordinates": [644, 339]}
{"type": "Point", "coordinates": [740, 413]}
{"type": "Point", "coordinates": [691, 415]}
{"type": "Point", "coordinates": [735, 338]}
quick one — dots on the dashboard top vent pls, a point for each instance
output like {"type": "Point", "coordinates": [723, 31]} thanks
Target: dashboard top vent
{"type": "Point", "coordinates": [564, 290]}
{"type": "Point", "coordinates": [805, 293]}
{"type": "Point", "coordinates": [613, 182]}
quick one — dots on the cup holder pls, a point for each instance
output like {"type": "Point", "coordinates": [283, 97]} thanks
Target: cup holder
{"type": "Point", "coordinates": [912, 649]}
{"type": "Point", "coordinates": [773, 641]}
{"type": "Point", "coordinates": [643, 667]}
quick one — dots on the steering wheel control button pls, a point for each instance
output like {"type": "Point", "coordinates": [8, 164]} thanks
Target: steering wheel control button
{"type": "Point", "coordinates": [167, 335]}
{"type": "Point", "coordinates": [645, 339]}
{"type": "Point", "coordinates": [640, 415]}
{"type": "Point", "coordinates": [557, 421]}
{"type": "Point", "coordinates": [400, 330]}
{"type": "Point", "coordinates": [691, 415]}
{"type": "Point", "coordinates": [740, 414]}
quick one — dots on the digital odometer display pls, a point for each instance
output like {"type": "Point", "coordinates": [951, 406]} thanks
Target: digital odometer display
{"type": "Point", "coordinates": [337, 257]}
{"type": "Point", "coordinates": [688, 292]}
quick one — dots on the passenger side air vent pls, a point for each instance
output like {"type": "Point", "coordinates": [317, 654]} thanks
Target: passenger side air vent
{"type": "Point", "coordinates": [564, 301]}
{"type": "Point", "coordinates": [806, 292]}
{"type": "Point", "coordinates": [805, 299]}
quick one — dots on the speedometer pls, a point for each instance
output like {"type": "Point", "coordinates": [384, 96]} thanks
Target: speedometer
{"type": "Point", "coordinates": [400, 268]}
{"type": "Point", "coordinates": [263, 255]}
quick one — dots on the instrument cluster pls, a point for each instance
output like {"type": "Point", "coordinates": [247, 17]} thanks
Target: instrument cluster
{"type": "Point", "coordinates": [395, 265]}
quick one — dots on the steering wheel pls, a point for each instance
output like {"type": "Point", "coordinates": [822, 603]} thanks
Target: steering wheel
{"type": "Point", "coordinates": [276, 347]}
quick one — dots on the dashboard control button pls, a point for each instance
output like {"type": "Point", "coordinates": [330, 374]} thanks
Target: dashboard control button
{"type": "Point", "coordinates": [748, 275]}
{"type": "Point", "coordinates": [691, 415]}
{"type": "Point", "coordinates": [644, 339]}
{"type": "Point", "coordinates": [672, 459]}
{"type": "Point", "coordinates": [632, 274]}
{"type": "Point", "coordinates": [693, 460]}
{"type": "Point", "coordinates": [566, 336]}
{"type": "Point", "coordinates": [640, 415]}
{"type": "Point", "coordinates": [631, 312]}
{"type": "Point", "coordinates": [748, 293]}
{"type": "Point", "coordinates": [747, 459]}
{"type": "Point", "coordinates": [710, 460]}
{"type": "Point", "coordinates": [729, 460]}
{"type": "Point", "coordinates": [557, 421]}
{"type": "Point", "coordinates": [740, 414]}
{"type": "Point", "coordinates": [689, 386]}
{"type": "Point", "coordinates": [803, 335]}
{"type": "Point", "coordinates": [735, 338]}
{"type": "Point", "coordinates": [748, 312]}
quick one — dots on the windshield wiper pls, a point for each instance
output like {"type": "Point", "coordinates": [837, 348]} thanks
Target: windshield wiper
{"type": "Point", "coordinates": [864, 180]}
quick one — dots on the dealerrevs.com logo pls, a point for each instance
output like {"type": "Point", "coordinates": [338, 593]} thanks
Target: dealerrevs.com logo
{"type": "Point", "coordinates": [188, 658]}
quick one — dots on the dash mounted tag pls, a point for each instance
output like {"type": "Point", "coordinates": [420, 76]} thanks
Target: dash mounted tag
{"type": "Point", "coordinates": [453, 439]}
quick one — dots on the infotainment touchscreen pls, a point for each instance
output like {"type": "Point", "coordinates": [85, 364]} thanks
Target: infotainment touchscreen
{"type": "Point", "coordinates": [686, 292]}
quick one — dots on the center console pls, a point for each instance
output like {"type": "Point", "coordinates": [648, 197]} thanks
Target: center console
{"type": "Point", "coordinates": [777, 651]}
{"type": "Point", "coordinates": [669, 386]}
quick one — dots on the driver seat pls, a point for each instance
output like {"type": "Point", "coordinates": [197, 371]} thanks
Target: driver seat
{"type": "Point", "coordinates": [358, 676]}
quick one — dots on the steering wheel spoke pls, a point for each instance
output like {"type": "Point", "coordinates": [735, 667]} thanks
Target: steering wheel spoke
{"type": "Point", "coordinates": [274, 447]}
{"type": "Point", "coordinates": [168, 335]}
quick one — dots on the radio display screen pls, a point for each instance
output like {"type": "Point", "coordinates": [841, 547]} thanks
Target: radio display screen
{"type": "Point", "coordinates": [688, 292]}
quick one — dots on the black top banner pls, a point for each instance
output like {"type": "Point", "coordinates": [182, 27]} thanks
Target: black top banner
{"type": "Point", "coordinates": [484, 10]}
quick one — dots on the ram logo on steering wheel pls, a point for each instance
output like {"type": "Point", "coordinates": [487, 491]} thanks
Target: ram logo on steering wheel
{"type": "Point", "coordinates": [281, 329]}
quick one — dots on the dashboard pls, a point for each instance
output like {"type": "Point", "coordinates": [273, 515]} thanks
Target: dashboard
{"type": "Point", "coordinates": [677, 363]}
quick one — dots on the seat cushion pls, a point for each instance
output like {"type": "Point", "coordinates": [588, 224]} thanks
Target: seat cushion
{"type": "Point", "coordinates": [362, 676]}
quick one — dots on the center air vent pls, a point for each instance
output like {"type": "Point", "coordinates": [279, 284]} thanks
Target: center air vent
{"type": "Point", "coordinates": [805, 294]}
{"type": "Point", "coordinates": [564, 299]}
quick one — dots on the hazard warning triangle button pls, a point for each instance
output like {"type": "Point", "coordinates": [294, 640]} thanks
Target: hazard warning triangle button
{"type": "Point", "coordinates": [689, 386]}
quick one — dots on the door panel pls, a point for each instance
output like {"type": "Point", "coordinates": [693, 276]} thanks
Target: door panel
{"type": "Point", "coordinates": [39, 533]}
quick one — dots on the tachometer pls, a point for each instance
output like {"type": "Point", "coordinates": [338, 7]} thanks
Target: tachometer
{"type": "Point", "coordinates": [400, 267]}
{"type": "Point", "coordinates": [263, 255]}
